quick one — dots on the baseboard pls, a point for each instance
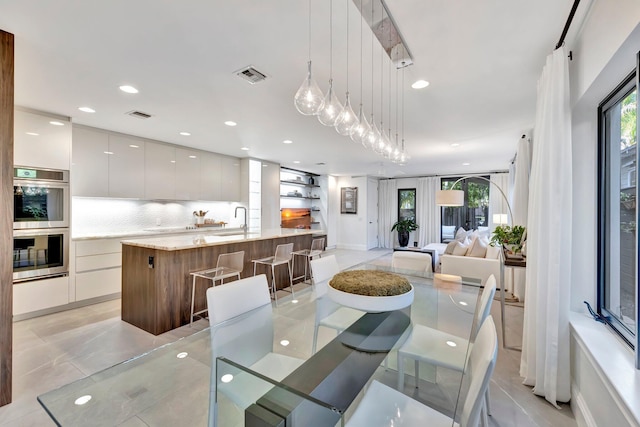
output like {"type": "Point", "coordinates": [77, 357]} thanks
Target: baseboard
{"type": "Point", "coordinates": [580, 408]}
{"type": "Point", "coordinates": [70, 306]}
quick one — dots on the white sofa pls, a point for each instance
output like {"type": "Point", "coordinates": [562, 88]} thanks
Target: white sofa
{"type": "Point", "coordinates": [469, 266]}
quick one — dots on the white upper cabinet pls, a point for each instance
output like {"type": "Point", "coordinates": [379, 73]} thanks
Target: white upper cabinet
{"type": "Point", "coordinates": [210, 176]}
{"type": "Point", "coordinates": [126, 167]}
{"type": "Point", "coordinates": [160, 172]}
{"type": "Point", "coordinates": [41, 141]}
{"type": "Point", "coordinates": [90, 164]}
{"type": "Point", "coordinates": [188, 163]}
{"type": "Point", "coordinates": [230, 188]}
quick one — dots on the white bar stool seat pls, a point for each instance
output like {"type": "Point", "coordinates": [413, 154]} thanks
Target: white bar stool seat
{"type": "Point", "coordinates": [282, 256]}
{"type": "Point", "coordinates": [317, 247]}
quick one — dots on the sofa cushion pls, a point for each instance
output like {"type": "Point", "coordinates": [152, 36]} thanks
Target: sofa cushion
{"type": "Point", "coordinates": [461, 248]}
{"type": "Point", "coordinates": [478, 248]}
{"type": "Point", "coordinates": [493, 252]}
{"type": "Point", "coordinates": [449, 249]}
{"type": "Point", "coordinates": [461, 234]}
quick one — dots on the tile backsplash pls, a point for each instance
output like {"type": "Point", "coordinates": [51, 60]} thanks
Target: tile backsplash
{"type": "Point", "coordinates": [102, 216]}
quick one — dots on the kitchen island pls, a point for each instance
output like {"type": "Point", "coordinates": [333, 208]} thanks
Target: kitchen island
{"type": "Point", "coordinates": [156, 286]}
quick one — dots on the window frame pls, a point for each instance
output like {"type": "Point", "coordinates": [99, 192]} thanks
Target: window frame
{"type": "Point", "coordinates": [415, 202]}
{"type": "Point", "coordinates": [464, 186]}
{"type": "Point", "coordinates": [620, 92]}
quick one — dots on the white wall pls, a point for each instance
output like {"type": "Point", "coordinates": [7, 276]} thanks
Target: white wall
{"type": "Point", "coordinates": [352, 229]}
{"type": "Point", "coordinates": [331, 205]}
{"type": "Point", "coordinates": [604, 52]}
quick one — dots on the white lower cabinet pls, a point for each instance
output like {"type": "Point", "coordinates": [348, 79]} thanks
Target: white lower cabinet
{"type": "Point", "coordinates": [40, 294]}
{"type": "Point", "coordinates": [98, 269]}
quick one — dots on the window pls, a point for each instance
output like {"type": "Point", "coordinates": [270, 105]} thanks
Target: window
{"type": "Point", "coordinates": [407, 203]}
{"type": "Point", "coordinates": [617, 216]}
{"type": "Point", "coordinates": [475, 211]}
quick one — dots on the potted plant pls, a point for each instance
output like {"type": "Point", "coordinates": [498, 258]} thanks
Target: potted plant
{"type": "Point", "coordinates": [511, 238]}
{"type": "Point", "coordinates": [404, 227]}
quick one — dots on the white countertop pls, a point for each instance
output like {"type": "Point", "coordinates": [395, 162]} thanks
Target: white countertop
{"type": "Point", "coordinates": [195, 240]}
{"type": "Point", "coordinates": [153, 231]}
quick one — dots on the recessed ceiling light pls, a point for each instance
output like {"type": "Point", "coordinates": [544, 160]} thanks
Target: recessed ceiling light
{"type": "Point", "coordinates": [108, 152]}
{"type": "Point", "coordinates": [451, 344]}
{"type": "Point", "coordinates": [420, 84]}
{"type": "Point", "coordinates": [284, 343]}
{"type": "Point", "coordinates": [134, 146]}
{"type": "Point", "coordinates": [296, 161]}
{"type": "Point", "coordinates": [230, 123]}
{"type": "Point", "coordinates": [128, 89]}
{"type": "Point", "coordinates": [193, 157]}
{"type": "Point", "coordinates": [32, 133]}
{"type": "Point", "coordinates": [87, 109]}
{"type": "Point", "coordinates": [182, 355]}
{"type": "Point", "coordinates": [264, 166]}
{"type": "Point", "coordinates": [455, 144]}
{"type": "Point", "coordinates": [294, 301]}
{"type": "Point", "coordinates": [226, 378]}
{"type": "Point", "coordinates": [287, 141]}
{"type": "Point", "coordinates": [56, 123]}
{"type": "Point", "coordinates": [173, 161]}
{"type": "Point", "coordinates": [185, 134]}
{"type": "Point", "coordinates": [466, 164]}
{"type": "Point", "coordinates": [83, 399]}
{"type": "Point", "coordinates": [245, 148]}
{"type": "Point", "coordinates": [463, 303]}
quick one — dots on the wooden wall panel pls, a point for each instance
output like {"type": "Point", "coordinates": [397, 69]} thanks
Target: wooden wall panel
{"type": "Point", "coordinates": [6, 214]}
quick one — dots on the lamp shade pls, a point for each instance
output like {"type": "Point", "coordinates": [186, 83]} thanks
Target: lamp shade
{"type": "Point", "coordinates": [500, 218]}
{"type": "Point", "coordinates": [450, 198]}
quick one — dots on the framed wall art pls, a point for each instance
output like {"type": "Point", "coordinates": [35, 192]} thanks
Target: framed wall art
{"type": "Point", "coordinates": [349, 200]}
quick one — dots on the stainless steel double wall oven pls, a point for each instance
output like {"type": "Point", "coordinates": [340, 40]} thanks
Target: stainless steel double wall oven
{"type": "Point", "coordinates": [40, 223]}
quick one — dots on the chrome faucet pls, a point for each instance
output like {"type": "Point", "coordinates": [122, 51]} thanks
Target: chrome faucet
{"type": "Point", "coordinates": [244, 226]}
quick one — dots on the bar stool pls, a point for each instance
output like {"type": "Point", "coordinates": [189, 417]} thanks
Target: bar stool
{"type": "Point", "coordinates": [282, 256]}
{"type": "Point", "coordinates": [228, 265]}
{"type": "Point", "coordinates": [317, 247]}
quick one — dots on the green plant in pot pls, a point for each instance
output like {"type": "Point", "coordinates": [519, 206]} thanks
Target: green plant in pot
{"type": "Point", "coordinates": [404, 227]}
{"type": "Point", "coordinates": [511, 238]}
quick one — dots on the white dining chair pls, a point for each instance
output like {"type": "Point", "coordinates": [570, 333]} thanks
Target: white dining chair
{"type": "Point", "coordinates": [416, 261]}
{"type": "Point", "coordinates": [228, 265]}
{"type": "Point", "coordinates": [241, 318]}
{"type": "Point", "coordinates": [282, 256]}
{"type": "Point", "coordinates": [384, 406]}
{"type": "Point", "coordinates": [328, 313]}
{"type": "Point", "coordinates": [429, 345]}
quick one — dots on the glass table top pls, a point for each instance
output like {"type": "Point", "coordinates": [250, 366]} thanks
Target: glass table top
{"type": "Point", "coordinates": [172, 385]}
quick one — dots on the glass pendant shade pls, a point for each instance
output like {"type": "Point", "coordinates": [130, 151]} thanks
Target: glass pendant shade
{"type": "Point", "coordinates": [309, 98]}
{"type": "Point", "coordinates": [331, 108]}
{"type": "Point", "coordinates": [360, 128]}
{"type": "Point", "coordinates": [381, 142]}
{"type": "Point", "coordinates": [371, 137]}
{"type": "Point", "coordinates": [346, 119]}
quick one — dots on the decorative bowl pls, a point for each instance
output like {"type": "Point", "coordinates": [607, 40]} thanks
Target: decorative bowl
{"type": "Point", "coordinates": [371, 304]}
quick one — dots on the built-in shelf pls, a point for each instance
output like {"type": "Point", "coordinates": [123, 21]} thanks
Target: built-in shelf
{"type": "Point", "coordinates": [300, 183]}
{"type": "Point", "coordinates": [300, 197]}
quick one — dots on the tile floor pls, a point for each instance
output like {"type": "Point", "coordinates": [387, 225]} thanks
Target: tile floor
{"type": "Point", "coordinates": [54, 350]}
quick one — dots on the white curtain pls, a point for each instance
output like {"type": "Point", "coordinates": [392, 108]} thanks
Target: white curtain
{"type": "Point", "coordinates": [545, 342]}
{"type": "Point", "coordinates": [387, 211]}
{"type": "Point", "coordinates": [520, 204]}
{"type": "Point", "coordinates": [427, 212]}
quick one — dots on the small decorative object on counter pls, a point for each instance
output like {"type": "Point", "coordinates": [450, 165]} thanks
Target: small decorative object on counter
{"type": "Point", "coordinates": [311, 180]}
{"type": "Point", "coordinates": [199, 216]}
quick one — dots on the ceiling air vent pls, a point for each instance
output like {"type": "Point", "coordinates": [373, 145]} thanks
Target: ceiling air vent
{"type": "Point", "coordinates": [251, 75]}
{"type": "Point", "coordinates": [138, 114]}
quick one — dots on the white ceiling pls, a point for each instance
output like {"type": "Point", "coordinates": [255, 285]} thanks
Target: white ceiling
{"type": "Point", "coordinates": [482, 58]}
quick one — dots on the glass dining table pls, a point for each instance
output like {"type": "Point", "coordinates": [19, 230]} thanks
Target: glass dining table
{"type": "Point", "coordinates": [176, 385]}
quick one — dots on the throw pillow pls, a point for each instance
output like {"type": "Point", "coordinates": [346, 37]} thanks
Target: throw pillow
{"type": "Point", "coordinates": [483, 231]}
{"type": "Point", "coordinates": [461, 248]}
{"type": "Point", "coordinates": [493, 252]}
{"type": "Point", "coordinates": [449, 249]}
{"type": "Point", "coordinates": [461, 234]}
{"type": "Point", "coordinates": [479, 248]}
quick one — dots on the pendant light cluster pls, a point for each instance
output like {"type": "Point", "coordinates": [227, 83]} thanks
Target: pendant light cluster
{"type": "Point", "coordinates": [310, 101]}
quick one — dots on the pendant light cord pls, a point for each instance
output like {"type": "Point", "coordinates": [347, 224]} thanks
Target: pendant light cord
{"type": "Point", "coordinates": [403, 67]}
{"type": "Point", "coordinates": [309, 30]}
{"type": "Point", "coordinates": [372, 35]}
{"type": "Point", "coordinates": [347, 47]}
{"type": "Point", "coordinates": [330, 42]}
{"type": "Point", "coordinates": [361, 73]}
